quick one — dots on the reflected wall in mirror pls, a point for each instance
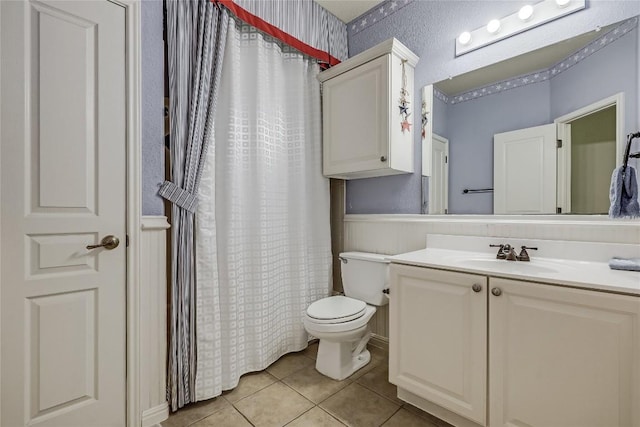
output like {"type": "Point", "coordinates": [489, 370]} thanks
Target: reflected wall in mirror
{"type": "Point", "coordinates": [537, 134]}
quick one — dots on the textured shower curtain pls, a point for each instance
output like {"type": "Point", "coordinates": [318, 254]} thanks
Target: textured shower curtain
{"type": "Point", "coordinates": [262, 224]}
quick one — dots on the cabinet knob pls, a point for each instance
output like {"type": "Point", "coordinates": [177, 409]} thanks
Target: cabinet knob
{"type": "Point", "coordinates": [476, 287]}
{"type": "Point", "coordinates": [383, 159]}
{"type": "Point", "coordinates": [496, 291]}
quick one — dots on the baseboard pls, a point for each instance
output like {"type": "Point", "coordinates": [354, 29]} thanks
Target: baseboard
{"type": "Point", "coordinates": [154, 416]}
{"type": "Point", "coordinates": [435, 410]}
{"type": "Point", "coordinates": [379, 342]}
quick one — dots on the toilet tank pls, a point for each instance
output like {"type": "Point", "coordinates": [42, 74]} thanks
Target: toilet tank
{"type": "Point", "coordinates": [364, 276]}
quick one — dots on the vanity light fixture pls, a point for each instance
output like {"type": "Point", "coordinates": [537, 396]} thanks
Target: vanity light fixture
{"type": "Point", "coordinates": [493, 26]}
{"type": "Point", "coordinates": [525, 13]}
{"type": "Point", "coordinates": [527, 17]}
{"type": "Point", "coordinates": [465, 38]}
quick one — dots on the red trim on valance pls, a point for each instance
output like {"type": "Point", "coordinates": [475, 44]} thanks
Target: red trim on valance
{"type": "Point", "coordinates": [276, 32]}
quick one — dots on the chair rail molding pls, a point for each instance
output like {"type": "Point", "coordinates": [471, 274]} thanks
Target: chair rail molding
{"type": "Point", "coordinates": [153, 320]}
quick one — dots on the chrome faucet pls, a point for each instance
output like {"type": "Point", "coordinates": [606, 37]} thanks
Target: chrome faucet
{"type": "Point", "coordinates": [505, 252]}
{"type": "Point", "coordinates": [509, 252]}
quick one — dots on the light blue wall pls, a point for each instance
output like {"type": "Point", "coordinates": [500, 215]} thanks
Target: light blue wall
{"type": "Point", "coordinates": [471, 142]}
{"type": "Point", "coordinates": [608, 71]}
{"type": "Point", "coordinates": [152, 107]}
{"type": "Point", "coordinates": [429, 29]}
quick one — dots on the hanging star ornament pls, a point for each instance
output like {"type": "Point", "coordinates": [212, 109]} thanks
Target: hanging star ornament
{"type": "Point", "coordinates": [403, 103]}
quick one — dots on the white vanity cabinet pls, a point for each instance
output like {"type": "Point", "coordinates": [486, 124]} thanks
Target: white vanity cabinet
{"type": "Point", "coordinates": [514, 353]}
{"type": "Point", "coordinates": [361, 120]}
{"type": "Point", "coordinates": [438, 337]}
{"type": "Point", "coordinates": [562, 356]}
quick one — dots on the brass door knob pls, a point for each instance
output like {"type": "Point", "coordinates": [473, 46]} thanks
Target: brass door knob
{"type": "Point", "coordinates": [496, 291]}
{"type": "Point", "coordinates": [476, 287]}
{"type": "Point", "coordinates": [108, 242]}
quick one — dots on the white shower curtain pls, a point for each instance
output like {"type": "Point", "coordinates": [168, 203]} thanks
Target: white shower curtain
{"type": "Point", "coordinates": [262, 224]}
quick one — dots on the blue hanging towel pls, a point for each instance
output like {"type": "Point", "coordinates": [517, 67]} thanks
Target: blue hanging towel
{"type": "Point", "coordinates": [624, 193]}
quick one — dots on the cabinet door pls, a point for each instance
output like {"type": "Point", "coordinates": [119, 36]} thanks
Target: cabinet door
{"type": "Point", "coordinates": [562, 357]}
{"type": "Point", "coordinates": [437, 338]}
{"type": "Point", "coordinates": [355, 119]}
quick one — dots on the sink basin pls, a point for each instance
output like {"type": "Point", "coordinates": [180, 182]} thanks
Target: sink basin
{"type": "Point", "coordinates": [515, 266]}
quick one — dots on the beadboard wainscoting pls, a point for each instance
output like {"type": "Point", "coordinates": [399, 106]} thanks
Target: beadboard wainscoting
{"type": "Point", "coordinates": [153, 320]}
{"type": "Point", "coordinates": [395, 234]}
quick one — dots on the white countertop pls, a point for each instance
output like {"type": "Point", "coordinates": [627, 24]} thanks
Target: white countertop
{"type": "Point", "coordinates": [583, 274]}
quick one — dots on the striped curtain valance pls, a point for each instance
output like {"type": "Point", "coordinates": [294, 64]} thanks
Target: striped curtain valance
{"type": "Point", "coordinates": [302, 24]}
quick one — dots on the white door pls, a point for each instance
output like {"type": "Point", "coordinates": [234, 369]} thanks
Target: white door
{"type": "Point", "coordinates": [62, 175]}
{"type": "Point", "coordinates": [439, 179]}
{"type": "Point", "coordinates": [562, 357]}
{"type": "Point", "coordinates": [438, 338]}
{"type": "Point", "coordinates": [524, 171]}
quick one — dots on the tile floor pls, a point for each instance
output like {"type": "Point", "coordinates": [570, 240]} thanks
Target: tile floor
{"type": "Point", "coordinates": [292, 393]}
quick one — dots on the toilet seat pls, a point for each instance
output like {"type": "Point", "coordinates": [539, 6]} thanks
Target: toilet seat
{"type": "Point", "coordinates": [314, 327]}
{"type": "Point", "coordinates": [336, 309]}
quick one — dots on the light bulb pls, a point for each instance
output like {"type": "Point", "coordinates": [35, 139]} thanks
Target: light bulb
{"type": "Point", "coordinates": [562, 3]}
{"type": "Point", "coordinates": [526, 12]}
{"type": "Point", "coordinates": [494, 26]}
{"type": "Point", "coordinates": [465, 38]}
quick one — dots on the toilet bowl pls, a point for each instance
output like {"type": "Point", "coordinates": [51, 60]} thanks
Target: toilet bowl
{"type": "Point", "coordinates": [341, 322]}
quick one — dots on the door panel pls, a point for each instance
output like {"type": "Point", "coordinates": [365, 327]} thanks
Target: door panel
{"type": "Point", "coordinates": [439, 179]}
{"type": "Point", "coordinates": [524, 171]}
{"type": "Point", "coordinates": [437, 338]}
{"type": "Point", "coordinates": [63, 187]}
{"type": "Point", "coordinates": [354, 139]}
{"type": "Point", "coordinates": [563, 357]}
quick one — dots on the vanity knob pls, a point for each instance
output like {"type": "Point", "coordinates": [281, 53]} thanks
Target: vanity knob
{"type": "Point", "coordinates": [383, 159]}
{"type": "Point", "coordinates": [496, 291]}
{"type": "Point", "coordinates": [476, 287]}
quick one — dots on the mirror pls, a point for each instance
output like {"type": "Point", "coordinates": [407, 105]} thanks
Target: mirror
{"type": "Point", "coordinates": [537, 134]}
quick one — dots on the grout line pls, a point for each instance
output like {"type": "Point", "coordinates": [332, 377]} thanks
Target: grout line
{"type": "Point", "coordinates": [243, 415]}
{"type": "Point", "coordinates": [391, 416]}
{"type": "Point", "coordinates": [302, 395]}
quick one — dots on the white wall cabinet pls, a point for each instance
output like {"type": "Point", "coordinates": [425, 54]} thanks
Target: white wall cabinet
{"type": "Point", "coordinates": [556, 356]}
{"type": "Point", "coordinates": [362, 133]}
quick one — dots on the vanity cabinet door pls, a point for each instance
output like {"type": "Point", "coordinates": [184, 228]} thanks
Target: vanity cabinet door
{"type": "Point", "coordinates": [437, 337]}
{"type": "Point", "coordinates": [562, 356]}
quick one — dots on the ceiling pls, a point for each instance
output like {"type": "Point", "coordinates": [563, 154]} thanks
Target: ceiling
{"type": "Point", "coordinates": [347, 10]}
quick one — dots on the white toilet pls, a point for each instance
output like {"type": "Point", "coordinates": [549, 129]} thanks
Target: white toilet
{"type": "Point", "coordinates": [340, 322]}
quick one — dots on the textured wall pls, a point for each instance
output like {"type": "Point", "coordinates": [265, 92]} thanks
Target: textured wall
{"type": "Point", "coordinates": [429, 29]}
{"type": "Point", "coordinates": [152, 107]}
{"type": "Point", "coordinates": [605, 73]}
{"type": "Point", "coordinates": [472, 125]}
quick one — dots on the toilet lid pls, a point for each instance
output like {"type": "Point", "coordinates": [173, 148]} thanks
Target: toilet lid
{"type": "Point", "coordinates": [336, 309]}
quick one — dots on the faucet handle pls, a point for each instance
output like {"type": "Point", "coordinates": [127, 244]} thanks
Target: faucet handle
{"type": "Point", "coordinates": [524, 255]}
{"type": "Point", "coordinates": [501, 252]}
